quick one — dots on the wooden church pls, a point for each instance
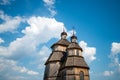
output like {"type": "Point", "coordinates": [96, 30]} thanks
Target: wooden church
{"type": "Point", "coordinates": [66, 61]}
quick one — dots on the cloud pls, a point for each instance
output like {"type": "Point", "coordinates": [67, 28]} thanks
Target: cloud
{"type": "Point", "coordinates": [24, 70]}
{"type": "Point", "coordinates": [88, 52]}
{"type": "Point", "coordinates": [6, 64]}
{"type": "Point", "coordinates": [40, 30]}
{"type": "Point", "coordinates": [108, 73]}
{"type": "Point", "coordinates": [114, 65]}
{"type": "Point", "coordinates": [4, 51]}
{"type": "Point", "coordinates": [49, 2]}
{"type": "Point", "coordinates": [44, 53]}
{"type": "Point", "coordinates": [115, 48]}
{"type": "Point", "coordinates": [115, 53]}
{"type": "Point", "coordinates": [46, 28]}
{"type": "Point", "coordinates": [5, 2]}
{"type": "Point", "coordinates": [114, 56]}
{"type": "Point", "coordinates": [9, 23]}
{"type": "Point", "coordinates": [10, 68]}
{"type": "Point", "coordinates": [1, 40]}
{"type": "Point", "coordinates": [50, 6]}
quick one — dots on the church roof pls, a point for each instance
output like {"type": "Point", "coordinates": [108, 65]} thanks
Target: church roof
{"type": "Point", "coordinates": [75, 61]}
{"type": "Point", "coordinates": [63, 42]}
{"type": "Point", "coordinates": [74, 45]}
{"type": "Point", "coordinates": [55, 56]}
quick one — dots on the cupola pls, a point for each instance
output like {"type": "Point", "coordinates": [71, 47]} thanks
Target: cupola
{"type": "Point", "coordinates": [63, 34]}
{"type": "Point", "coordinates": [74, 38]}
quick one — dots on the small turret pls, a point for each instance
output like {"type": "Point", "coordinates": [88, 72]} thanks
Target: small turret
{"type": "Point", "coordinates": [74, 39]}
{"type": "Point", "coordinates": [63, 35]}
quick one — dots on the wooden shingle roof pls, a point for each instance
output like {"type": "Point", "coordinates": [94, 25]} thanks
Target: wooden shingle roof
{"type": "Point", "coordinates": [75, 61]}
{"type": "Point", "coordinates": [63, 42]}
{"type": "Point", "coordinates": [55, 56]}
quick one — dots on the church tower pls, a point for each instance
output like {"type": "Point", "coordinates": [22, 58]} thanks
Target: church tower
{"type": "Point", "coordinates": [53, 63]}
{"type": "Point", "coordinates": [74, 67]}
{"type": "Point", "coordinates": [66, 61]}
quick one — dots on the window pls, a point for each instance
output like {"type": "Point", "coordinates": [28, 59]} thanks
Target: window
{"type": "Point", "coordinates": [78, 52]}
{"type": "Point", "coordinates": [70, 52]}
{"type": "Point", "coordinates": [81, 75]}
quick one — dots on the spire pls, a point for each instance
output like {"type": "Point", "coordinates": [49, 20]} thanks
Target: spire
{"type": "Point", "coordinates": [63, 29]}
{"type": "Point", "coordinates": [73, 30]}
{"type": "Point", "coordinates": [73, 37]}
{"type": "Point", "coordinates": [63, 34]}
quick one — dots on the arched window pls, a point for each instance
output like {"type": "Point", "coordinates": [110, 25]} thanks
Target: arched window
{"type": "Point", "coordinates": [81, 75]}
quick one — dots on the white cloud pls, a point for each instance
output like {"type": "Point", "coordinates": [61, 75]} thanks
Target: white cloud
{"type": "Point", "coordinates": [4, 2]}
{"type": "Point", "coordinates": [44, 50]}
{"type": "Point", "coordinates": [115, 48]}
{"type": "Point", "coordinates": [1, 40]}
{"type": "Point", "coordinates": [44, 53]}
{"type": "Point", "coordinates": [4, 51]}
{"type": "Point", "coordinates": [50, 6]}
{"type": "Point", "coordinates": [40, 30]}
{"type": "Point", "coordinates": [88, 52]}
{"type": "Point", "coordinates": [11, 70]}
{"type": "Point", "coordinates": [11, 66]}
{"type": "Point", "coordinates": [46, 28]}
{"type": "Point", "coordinates": [25, 70]}
{"type": "Point", "coordinates": [49, 2]}
{"type": "Point", "coordinates": [32, 72]}
{"type": "Point", "coordinates": [16, 78]}
{"type": "Point", "coordinates": [9, 23]}
{"type": "Point", "coordinates": [114, 56]}
{"type": "Point", "coordinates": [108, 73]}
{"type": "Point", "coordinates": [114, 65]}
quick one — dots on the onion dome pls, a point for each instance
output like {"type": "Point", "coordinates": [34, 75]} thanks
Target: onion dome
{"type": "Point", "coordinates": [63, 35]}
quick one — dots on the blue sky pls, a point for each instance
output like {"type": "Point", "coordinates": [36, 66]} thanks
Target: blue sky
{"type": "Point", "coordinates": [29, 27]}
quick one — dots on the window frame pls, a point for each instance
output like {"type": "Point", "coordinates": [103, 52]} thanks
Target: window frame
{"type": "Point", "coordinates": [81, 75]}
